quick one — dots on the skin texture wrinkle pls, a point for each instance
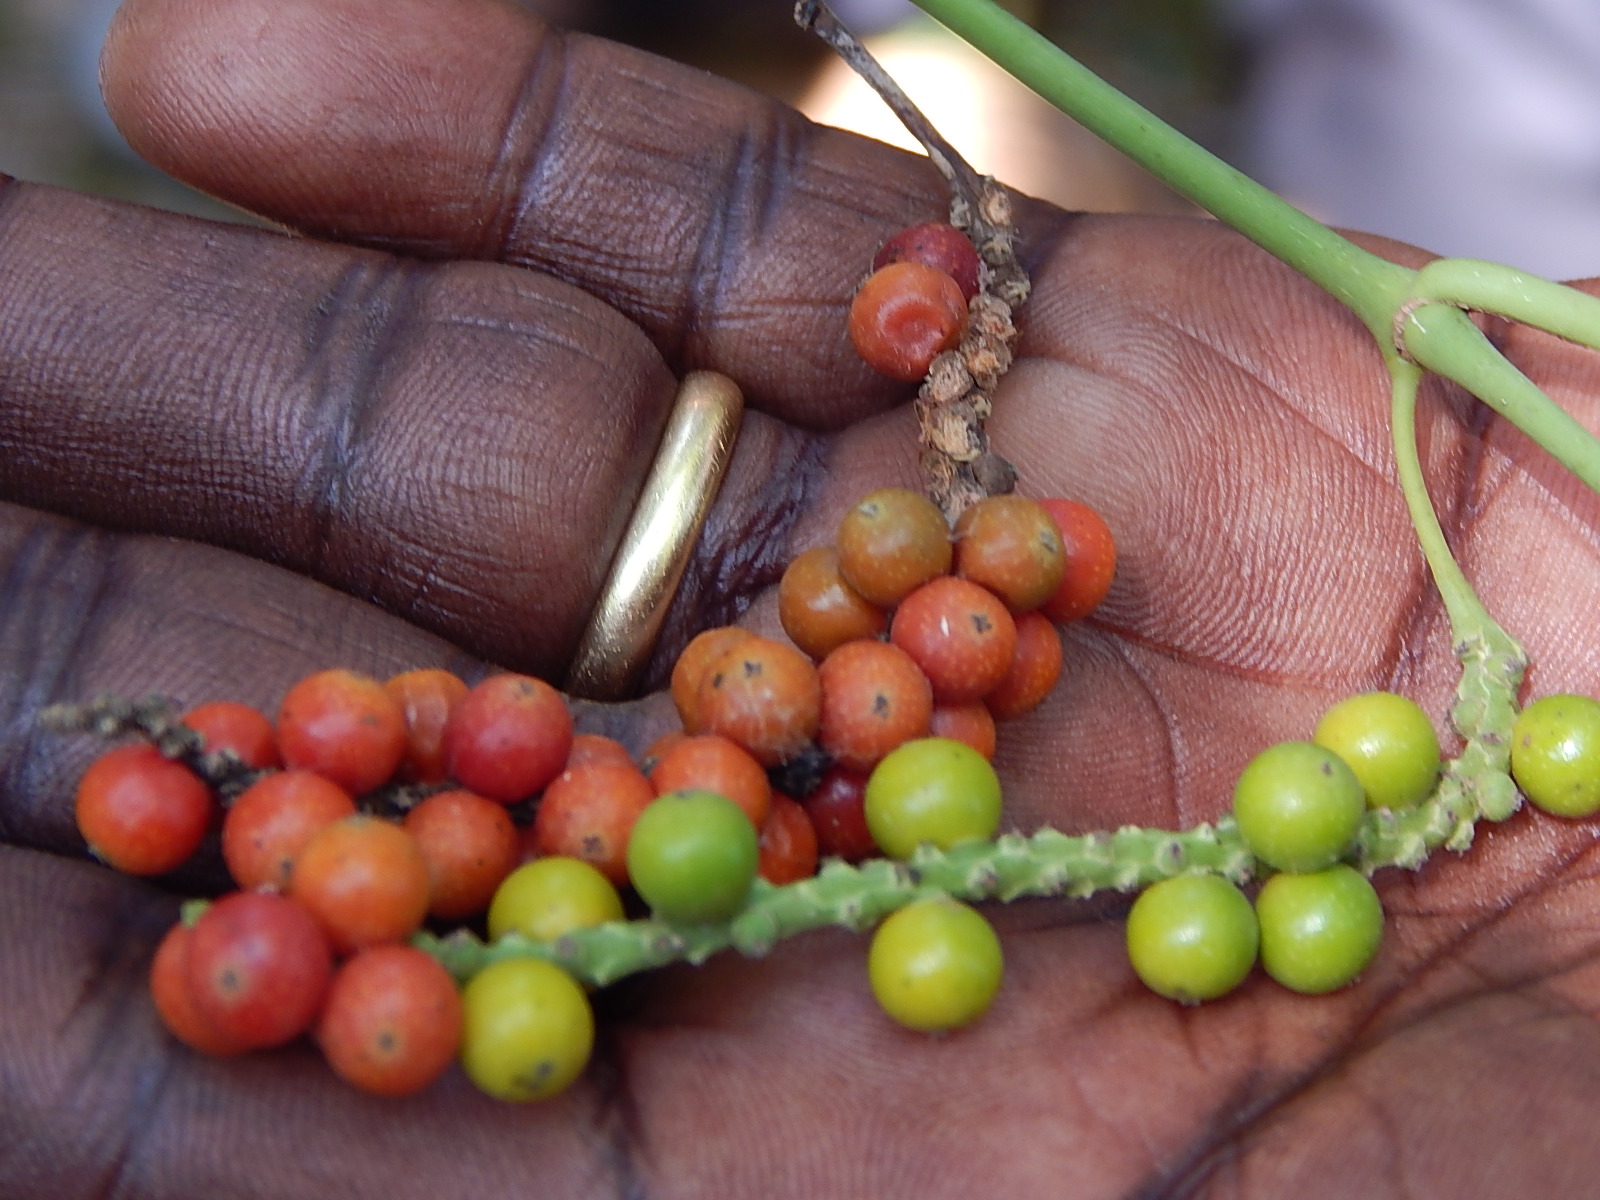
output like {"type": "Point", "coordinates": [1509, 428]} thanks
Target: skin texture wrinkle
{"type": "Point", "coordinates": [408, 433]}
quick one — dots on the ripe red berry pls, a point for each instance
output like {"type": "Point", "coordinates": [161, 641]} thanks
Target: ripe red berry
{"type": "Point", "coordinates": [596, 747]}
{"type": "Point", "coordinates": [392, 1021]}
{"type": "Point", "coordinates": [712, 763]}
{"type": "Point", "coordinates": [141, 812]}
{"type": "Point", "coordinates": [657, 750]}
{"type": "Point", "coordinates": [169, 989]}
{"type": "Point", "coordinates": [960, 634]}
{"type": "Point", "coordinates": [892, 541]}
{"type": "Point", "coordinates": [1035, 667]}
{"type": "Point", "coordinates": [470, 845]}
{"type": "Point", "coordinates": [838, 813]}
{"type": "Point", "coordinates": [1011, 546]}
{"type": "Point", "coordinates": [1091, 560]}
{"type": "Point", "coordinates": [364, 880]}
{"type": "Point", "coordinates": [904, 316]}
{"type": "Point", "coordinates": [270, 822]}
{"type": "Point", "coordinates": [426, 697]}
{"type": "Point", "coordinates": [588, 812]}
{"type": "Point", "coordinates": [819, 610]}
{"type": "Point", "coordinates": [258, 968]}
{"type": "Point", "coordinates": [508, 737]}
{"type": "Point", "coordinates": [763, 695]}
{"type": "Point", "coordinates": [226, 725]}
{"type": "Point", "coordinates": [788, 846]}
{"type": "Point", "coordinates": [344, 726]}
{"type": "Point", "coordinates": [971, 723]}
{"type": "Point", "coordinates": [874, 697]}
{"type": "Point", "coordinates": [703, 649]}
{"type": "Point", "coordinates": [937, 244]}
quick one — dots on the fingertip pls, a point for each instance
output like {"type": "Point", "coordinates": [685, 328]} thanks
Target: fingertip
{"type": "Point", "coordinates": [271, 104]}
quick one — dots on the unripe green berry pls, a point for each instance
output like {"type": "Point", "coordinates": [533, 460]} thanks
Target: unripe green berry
{"type": "Point", "coordinates": [1299, 807]}
{"type": "Point", "coordinates": [1192, 938]}
{"type": "Point", "coordinates": [1389, 742]}
{"type": "Point", "coordinates": [1318, 931]}
{"type": "Point", "coordinates": [1555, 754]}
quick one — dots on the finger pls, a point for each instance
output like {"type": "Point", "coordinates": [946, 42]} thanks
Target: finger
{"type": "Point", "coordinates": [99, 1099]}
{"type": "Point", "coordinates": [730, 228]}
{"type": "Point", "coordinates": [85, 612]}
{"type": "Point", "coordinates": [461, 442]}
{"type": "Point", "coordinates": [89, 613]}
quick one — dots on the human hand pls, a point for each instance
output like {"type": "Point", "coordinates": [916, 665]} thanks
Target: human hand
{"type": "Point", "coordinates": [453, 448]}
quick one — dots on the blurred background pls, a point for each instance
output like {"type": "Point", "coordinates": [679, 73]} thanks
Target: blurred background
{"type": "Point", "coordinates": [1467, 126]}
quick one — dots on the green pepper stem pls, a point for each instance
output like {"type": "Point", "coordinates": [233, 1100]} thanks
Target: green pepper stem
{"type": "Point", "coordinates": [1460, 601]}
{"type": "Point", "coordinates": [1047, 863]}
{"type": "Point", "coordinates": [1442, 339]}
{"type": "Point", "coordinates": [1374, 289]}
{"type": "Point", "coordinates": [1496, 288]}
{"type": "Point", "coordinates": [1477, 783]}
{"type": "Point", "coordinates": [1368, 285]}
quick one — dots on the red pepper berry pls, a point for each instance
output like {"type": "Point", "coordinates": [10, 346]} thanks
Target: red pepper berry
{"type": "Point", "coordinates": [838, 814]}
{"type": "Point", "coordinates": [227, 725]}
{"type": "Point", "coordinates": [141, 812]}
{"type": "Point", "coordinates": [258, 967]}
{"type": "Point", "coordinates": [508, 737]}
{"type": "Point", "coordinates": [1091, 554]}
{"type": "Point", "coordinates": [904, 316]}
{"type": "Point", "coordinates": [343, 726]}
{"type": "Point", "coordinates": [788, 844]}
{"type": "Point", "coordinates": [960, 634]}
{"type": "Point", "coordinates": [939, 245]}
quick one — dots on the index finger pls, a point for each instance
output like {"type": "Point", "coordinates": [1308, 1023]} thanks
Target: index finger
{"type": "Point", "coordinates": [729, 227]}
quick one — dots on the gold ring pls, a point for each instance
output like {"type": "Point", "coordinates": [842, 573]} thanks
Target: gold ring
{"type": "Point", "coordinates": [683, 481]}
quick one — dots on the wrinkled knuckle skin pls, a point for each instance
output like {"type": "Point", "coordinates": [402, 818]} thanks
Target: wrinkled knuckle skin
{"type": "Point", "coordinates": [459, 442]}
{"type": "Point", "coordinates": [56, 578]}
{"type": "Point", "coordinates": [725, 224]}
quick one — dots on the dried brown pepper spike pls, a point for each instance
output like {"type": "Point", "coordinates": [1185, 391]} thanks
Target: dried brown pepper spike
{"type": "Point", "coordinates": [157, 720]}
{"type": "Point", "coordinates": [956, 397]}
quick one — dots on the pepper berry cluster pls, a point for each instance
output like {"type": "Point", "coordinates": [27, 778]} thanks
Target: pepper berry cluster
{"type": "Point", "coordinates": [367, 810]}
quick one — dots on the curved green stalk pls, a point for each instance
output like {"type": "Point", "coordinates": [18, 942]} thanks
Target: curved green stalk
{"type": "Point", "coordinates": [1496, 288]}
{"type": "Point", "coordinates": [1477, 782]}
{"type": "Point", "coordinates": [1374, 289]}
{"type": "Point", "coordinates": [1465, 610]}
{"type": "Point", "coordinates": [1370, 286]}
{"type": "Point", "coordinates": [1443, 340]}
